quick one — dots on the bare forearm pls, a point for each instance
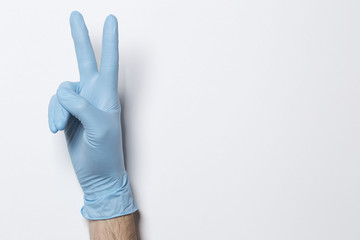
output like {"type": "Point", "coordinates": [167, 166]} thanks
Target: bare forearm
{"type": "Point", "coordinates": [120, 228]}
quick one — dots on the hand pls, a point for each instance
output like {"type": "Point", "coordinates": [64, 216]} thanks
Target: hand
{"type": "Point", "coordinates": [89, 113]}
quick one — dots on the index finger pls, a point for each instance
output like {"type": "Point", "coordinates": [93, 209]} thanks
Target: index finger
{"type": "Point", "coordinates": [84, 51]}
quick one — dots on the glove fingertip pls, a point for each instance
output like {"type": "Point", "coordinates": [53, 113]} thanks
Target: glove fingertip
{"type": "Point", "coordinates": [60, 125]}
{"type": "Point", "coordinates": [52, 127]}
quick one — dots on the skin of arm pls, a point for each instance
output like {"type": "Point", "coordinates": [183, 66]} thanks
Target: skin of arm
{"type": "Point", "coordinates": [120, 228]}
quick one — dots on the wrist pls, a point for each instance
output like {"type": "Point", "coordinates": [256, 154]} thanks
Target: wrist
{"type": "Point", "coordinates": [110, 203]}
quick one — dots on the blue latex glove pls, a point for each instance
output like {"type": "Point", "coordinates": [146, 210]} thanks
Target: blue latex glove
{"type": "Point", "coordinates": [89, 112]}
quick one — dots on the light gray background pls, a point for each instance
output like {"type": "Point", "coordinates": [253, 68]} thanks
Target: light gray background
{"type": "Point", "coordinates": [242, 118]}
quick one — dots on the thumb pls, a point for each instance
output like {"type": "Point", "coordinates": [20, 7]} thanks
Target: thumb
{"type": "Point", "coordinates": [76, 105]}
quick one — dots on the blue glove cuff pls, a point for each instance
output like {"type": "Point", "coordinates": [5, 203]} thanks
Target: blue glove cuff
{"type": "Point", "coordinates": [117, 203]}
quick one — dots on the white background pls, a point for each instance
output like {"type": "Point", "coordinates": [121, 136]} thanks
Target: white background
{"type": "Point", "coordinates": [241, 118]}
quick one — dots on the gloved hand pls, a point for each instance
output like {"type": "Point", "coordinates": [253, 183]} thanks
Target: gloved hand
{"type": "Point", "coordinates": [89, 112]}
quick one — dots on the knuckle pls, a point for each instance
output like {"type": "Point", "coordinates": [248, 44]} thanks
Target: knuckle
{"type": "Point", "coordinates": [65, 84]}
{"type": "Point", "coordinates": [82, 104]}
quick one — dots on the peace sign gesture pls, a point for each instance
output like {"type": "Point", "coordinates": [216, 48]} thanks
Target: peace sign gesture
{"type": "Point", "coordinates": [89, 112]}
